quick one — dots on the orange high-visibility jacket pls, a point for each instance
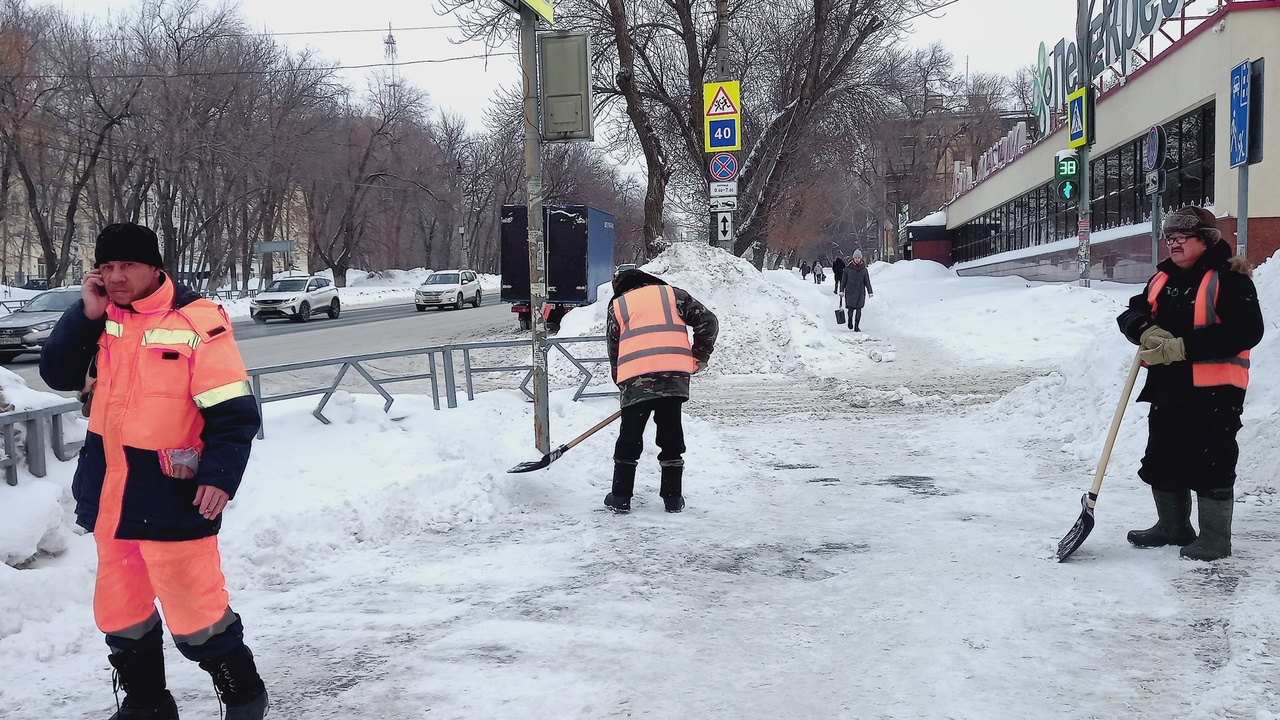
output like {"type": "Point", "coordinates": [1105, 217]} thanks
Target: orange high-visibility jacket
{"type": "Point", "coordinates": [169, 377]}
{"type": "Point", "coordinates": [652, 336]}
{"type": "Point", "coordinates": [1218, 371]}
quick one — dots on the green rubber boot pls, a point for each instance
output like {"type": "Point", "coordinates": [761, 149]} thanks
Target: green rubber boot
{"type": "Point", "coordinates": [1174, 526]}
{"type": "Point", "coordinates": [1214, 542]}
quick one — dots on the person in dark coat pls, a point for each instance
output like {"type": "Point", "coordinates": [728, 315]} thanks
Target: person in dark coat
{"type": "Point", "coordinates": [837, 272]}
{"type": "Point", "coordinates": [652, 360]}
{"type": "Point", "coordinates": [857, 288]}
{"type": "Point", "coordinates": [1195, 323]}
{"type": "Point", "coordinates": [804, 270]}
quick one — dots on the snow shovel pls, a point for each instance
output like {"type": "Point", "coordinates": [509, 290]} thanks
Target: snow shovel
{"type": "Point", "coordinates": [555, 454]}
{"type": "Point", "coordinates": [840, 310]}
{"type": "Point", "coordinates": [1084, 525]}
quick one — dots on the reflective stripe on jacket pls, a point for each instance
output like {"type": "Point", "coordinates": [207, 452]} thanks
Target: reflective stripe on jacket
{"type": "Point", "coordinates": [652, 336]}
{"type": "Point", "coordinates": [1206, 373]}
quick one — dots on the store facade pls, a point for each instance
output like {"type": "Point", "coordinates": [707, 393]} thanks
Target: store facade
{"type": "Point", "coordinates": [1011, 222]}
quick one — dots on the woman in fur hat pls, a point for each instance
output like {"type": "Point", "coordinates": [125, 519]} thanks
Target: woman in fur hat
{"type": "Point", "coordinates": [1195, 321]}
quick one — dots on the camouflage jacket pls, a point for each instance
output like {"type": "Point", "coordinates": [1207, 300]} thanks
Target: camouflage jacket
{"type": "Point", "coordinates": [664, 384]}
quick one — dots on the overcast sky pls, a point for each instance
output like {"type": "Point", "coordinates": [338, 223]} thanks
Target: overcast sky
{"type": "Point", "coordinates": [995, 36]}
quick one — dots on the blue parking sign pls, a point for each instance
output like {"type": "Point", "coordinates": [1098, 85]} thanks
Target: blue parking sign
{"type": "Point", "coordinates": [1240, 114]}
{"type": "Point", "coordinates": [723, 134]}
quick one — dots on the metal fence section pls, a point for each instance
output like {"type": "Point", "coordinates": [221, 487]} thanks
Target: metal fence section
{"type": "Point", "coordinates": [35, 422]}
{"type": "Point", "coordinates": [440, 370]}
{"type": "Point", "coordinates": [45, 426]}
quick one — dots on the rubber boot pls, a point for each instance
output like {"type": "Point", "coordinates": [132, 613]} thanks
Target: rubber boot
{"type": "Point", "coordinates": [1173, 507]}
{"type": "Point", "coordinates": [624, 482]}
{"type": "Point", "coordinates": [240, 688]}
{"type": "Point", "coordinates": [672, 485]}
{"type": "Point", "coordinates": [140, 673]}
{"type": "Point", "coordinates": [1214, 542]}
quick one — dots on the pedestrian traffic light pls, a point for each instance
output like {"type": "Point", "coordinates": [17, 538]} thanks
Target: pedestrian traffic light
{"type": "Point", "coordinates": [1066, 174]}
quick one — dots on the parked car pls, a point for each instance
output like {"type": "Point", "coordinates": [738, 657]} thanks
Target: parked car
{"type": "Point", "coordinates": [36, 284]}
{"type": "Point", "coordinates": [25, 329]}
{"type": "Point", "coordinates": [445, 288]}
{"type": "Point", "coordinates": [623, 268]}
{"type": "Point", "coordinates": [296, 299]}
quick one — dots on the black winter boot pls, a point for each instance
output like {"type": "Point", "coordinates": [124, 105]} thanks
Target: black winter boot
{"type": "Point", "coordinates": [1214, 542]}
{"type": "Point", "coordinates": [1173, 507]}
{"type": "Point", "coordinates": [235, 676]}
{"type": "Point", "coordinates": [140, 673]}
{"type": "Point", "coordinates": [672, 485]}
{"type": "Point", "coordinates": [624, 482]}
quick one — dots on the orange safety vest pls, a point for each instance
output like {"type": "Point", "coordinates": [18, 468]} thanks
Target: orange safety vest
{"type": "Point", "coordinates": [1206, 373]}
{"type": "Point", "coordinates": [652, 338]}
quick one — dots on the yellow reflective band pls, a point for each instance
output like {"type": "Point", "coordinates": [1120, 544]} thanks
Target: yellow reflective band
{"type": "Point", "coordinates": [162, 336]}
{"type": "Point", "coordinates": [230, 391]}
{"type": "Point", "coordinates": [115, 329]}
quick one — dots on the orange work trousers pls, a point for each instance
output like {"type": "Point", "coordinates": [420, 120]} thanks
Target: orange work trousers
{"type": "Point", "coordinates": [186, 576]}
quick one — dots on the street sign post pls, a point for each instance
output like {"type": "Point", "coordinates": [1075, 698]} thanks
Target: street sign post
{"type": "Point", "coordinates": [1153, 158]}
{"type": "Point", "coordinates": [724, 204]}
{"type": "Point", "coordinates": [1240, 114]}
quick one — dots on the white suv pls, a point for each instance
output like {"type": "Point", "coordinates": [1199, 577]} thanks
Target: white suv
{"type": "Point", "coordinates": [295, 298]}
{"type": "Point", "coordinates": [445, 288]}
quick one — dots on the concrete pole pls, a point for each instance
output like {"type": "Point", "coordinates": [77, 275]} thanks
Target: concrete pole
{"type": "Point", "coordinates": [537, 248]}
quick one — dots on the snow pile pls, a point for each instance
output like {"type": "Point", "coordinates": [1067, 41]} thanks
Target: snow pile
{"type": "Point", "coordinates": [1004, 320]}
{"type": "Point", "coordinates": [765, 327]}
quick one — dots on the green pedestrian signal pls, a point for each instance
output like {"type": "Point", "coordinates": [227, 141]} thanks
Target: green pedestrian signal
{"type": "Point", "coordinates": [1068, 190]}
{"type": "Point", "coordinates": [1068, 168]}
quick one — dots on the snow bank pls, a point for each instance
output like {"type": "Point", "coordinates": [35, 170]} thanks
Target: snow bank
{"type": "Point", "coordinates": [767, 325]}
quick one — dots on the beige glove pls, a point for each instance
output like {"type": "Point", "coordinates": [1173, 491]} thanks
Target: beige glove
{"type": "Point", "coordinates": [1169, 351]}
{"type": "Point", "coordinates": [1153, 337]}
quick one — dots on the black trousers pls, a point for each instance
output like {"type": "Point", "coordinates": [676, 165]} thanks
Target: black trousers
{"type": "Point", "coordinates": [1191, 447]}
{"type": "Point", "coordinates": [854, 317]}
{"type": "Point", "coordinates": [670, 431]}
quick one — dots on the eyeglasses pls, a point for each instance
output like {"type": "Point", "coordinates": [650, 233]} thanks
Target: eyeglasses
{"type": "Point", "coordinates": [1176, 239]}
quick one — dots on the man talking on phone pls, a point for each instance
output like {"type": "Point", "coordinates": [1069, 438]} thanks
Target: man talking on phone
{"type": "Point", "coordinates": [171, 420]}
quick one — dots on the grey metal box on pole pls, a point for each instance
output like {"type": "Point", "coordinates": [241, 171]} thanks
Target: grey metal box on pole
{"type": "Point", "coordinates": [564, 87]}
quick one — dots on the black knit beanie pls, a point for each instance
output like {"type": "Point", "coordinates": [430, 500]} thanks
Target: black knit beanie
{"type": "Point", "coordinates": [127, 242]}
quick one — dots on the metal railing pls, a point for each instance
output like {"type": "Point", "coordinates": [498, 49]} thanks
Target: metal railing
{"type": "Point", "coordinates": [438, 373]}
{"type": "Point", "coordinates": [441, 370]}
{"type": "Point", "coordinates": [35, 421]}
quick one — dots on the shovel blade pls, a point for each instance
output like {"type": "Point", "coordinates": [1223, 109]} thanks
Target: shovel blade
{"type": "Point", "coordinates": [1078, 532]}
{"type": "Point", "coordinates": [539, 464]}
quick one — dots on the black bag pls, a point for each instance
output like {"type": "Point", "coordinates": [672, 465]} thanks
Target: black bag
{"type": "Point", "coordinates": [840, 311]}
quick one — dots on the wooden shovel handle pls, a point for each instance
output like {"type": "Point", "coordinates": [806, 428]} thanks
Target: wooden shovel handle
{"type": "Point", "coordinates": [1115, 425]}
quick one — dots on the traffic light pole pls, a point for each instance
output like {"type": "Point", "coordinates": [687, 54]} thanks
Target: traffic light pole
{"type": "Point", "coordinates": [1084, 12]}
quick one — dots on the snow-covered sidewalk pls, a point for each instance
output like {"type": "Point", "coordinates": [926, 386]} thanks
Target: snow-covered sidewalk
{"type": "Point", "coordinates": [870, 531]}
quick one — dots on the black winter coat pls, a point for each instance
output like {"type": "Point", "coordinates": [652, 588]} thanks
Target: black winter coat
{"type": "Point", "coordinates": [837, 270]}
{"type": "Point", "coordinates": [856, 284]}
{"type": "Point", "coordinates": [1240, 329]}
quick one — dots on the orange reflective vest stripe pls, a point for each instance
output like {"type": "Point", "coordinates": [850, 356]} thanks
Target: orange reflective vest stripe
{"type": "Point", "coordinates": [652, 337]}
{"type": "Point", "coordinates": [1206, 373]}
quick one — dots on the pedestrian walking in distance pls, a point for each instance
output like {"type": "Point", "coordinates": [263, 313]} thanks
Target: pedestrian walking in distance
{"type": "Point", "coordinates": [171, 419]}
{"type": "Point", "coordinates": [652, 360]}
{"type": "Point", "coordinates": [837, 272]}
{"type": "Point", "coordinates": [1195, 323]}
{"type": "Point", "coordinates": [857, 288]}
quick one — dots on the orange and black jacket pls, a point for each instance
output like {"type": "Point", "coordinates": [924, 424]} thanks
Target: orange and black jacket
{"type": "Point", "coordinates": [1235, 327]}
{"type": "Point", "coordinates": [169, 376]}
{"type": "Point", "coordinates": [649, 348]}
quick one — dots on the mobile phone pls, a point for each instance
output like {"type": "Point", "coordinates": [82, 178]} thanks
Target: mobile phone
{"type": "Point", "coordinates": [102, 291]}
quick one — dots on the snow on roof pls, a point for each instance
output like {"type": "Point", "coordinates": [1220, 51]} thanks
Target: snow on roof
{"type": "Point", "coordinates": [932, 220]}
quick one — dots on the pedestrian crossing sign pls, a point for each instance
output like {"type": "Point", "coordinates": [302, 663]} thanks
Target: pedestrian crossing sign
{"type": "Point", "coordinates": [1078, 118]}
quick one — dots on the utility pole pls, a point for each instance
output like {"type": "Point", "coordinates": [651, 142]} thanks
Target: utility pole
{"type": "Point", "coordinates": [462, 219]}
{"type": "Point", "coordinates": [1084, 13]}
{"type": "Point", "coordinates": [533, 205]}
